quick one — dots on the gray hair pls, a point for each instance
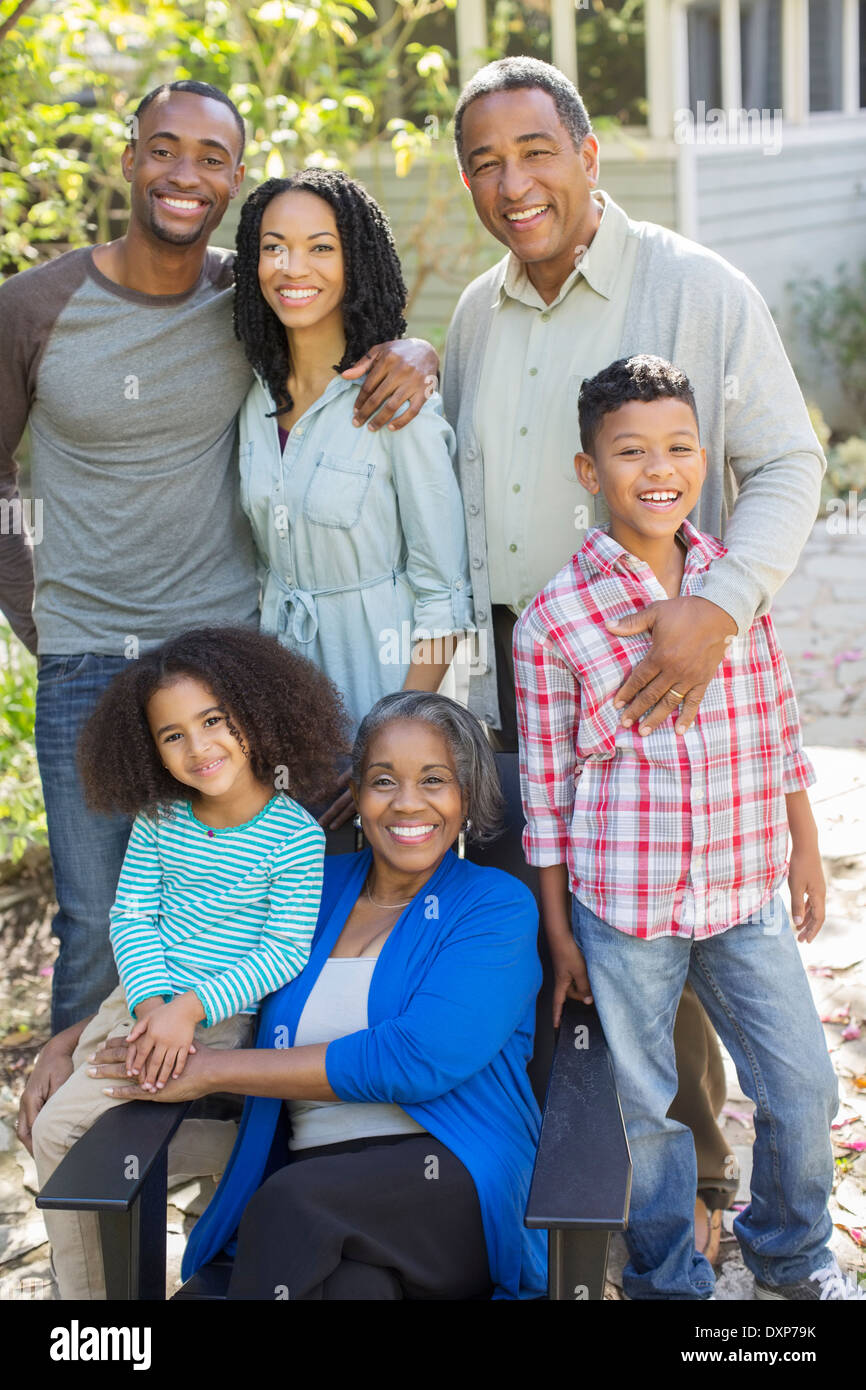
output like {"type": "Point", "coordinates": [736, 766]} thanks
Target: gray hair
{"type": "Point", "coordinates": [510, 74]}
{"type": "Point", "coordinates": [475, 764]}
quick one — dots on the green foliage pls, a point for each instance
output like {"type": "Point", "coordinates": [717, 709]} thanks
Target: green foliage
{"type": "Point", "coordinates": [846, 469]}
{"type": "Point", "coordinates": [834, 318]}
{"type": "Point", "coordinates": [611, 60]}
{"type": "Point", "coordinates": [316, 83]}
{"type": "Point", "coordinates": [610, 50]}
{"type": "Point", "coordinates": [22, 814]}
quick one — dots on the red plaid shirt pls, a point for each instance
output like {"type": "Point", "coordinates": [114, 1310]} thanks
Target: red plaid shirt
{"type": "Point", "coordinates": [670, 834]}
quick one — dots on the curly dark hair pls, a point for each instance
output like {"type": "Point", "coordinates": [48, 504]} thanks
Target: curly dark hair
{"type": "Point", "coordinates": [291, 715]}
{"type": "Point", "coordinates": [643, 377]}
{"type": "Point", "coordinates": [375, 295]}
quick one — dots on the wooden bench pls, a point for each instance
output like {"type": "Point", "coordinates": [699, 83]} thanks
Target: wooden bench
{"type": "Point", "coordinates": [580, 1184]}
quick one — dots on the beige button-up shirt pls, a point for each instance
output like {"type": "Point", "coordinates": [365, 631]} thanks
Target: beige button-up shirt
{"type": "Point", "coordinates": [537, 355]}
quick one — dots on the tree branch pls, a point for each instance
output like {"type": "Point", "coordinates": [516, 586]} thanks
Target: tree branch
{"type": "Point", "coordinates": [16, 14]}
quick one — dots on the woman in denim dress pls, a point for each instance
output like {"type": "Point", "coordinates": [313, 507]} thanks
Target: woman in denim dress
{"type": "Point", "coordinates": [360, 533]}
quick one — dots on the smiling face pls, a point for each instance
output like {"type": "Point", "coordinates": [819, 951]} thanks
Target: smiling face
{"type": "Point", "coordinates": [184, 167]}
{"type": "Point", "coordinates": [409, 797]}
{"type": "Point", "coordinates": [648, 463]}
{"type": "Point", "coordinates": [193, 739]}
{"type": "Point", "coordinates": [530, 186]}
{"type": "Point", "coordinates": [301, 268]}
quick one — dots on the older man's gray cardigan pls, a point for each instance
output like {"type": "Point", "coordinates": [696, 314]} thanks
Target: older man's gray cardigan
{"type": "Point", "coordinates": [764, 462]}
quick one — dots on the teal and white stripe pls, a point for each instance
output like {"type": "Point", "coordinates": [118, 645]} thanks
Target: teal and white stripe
{"type": "Point", "coordinates": [229, 914]}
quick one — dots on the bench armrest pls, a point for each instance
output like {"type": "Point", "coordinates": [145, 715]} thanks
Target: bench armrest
{"type": "Point", "coordinates": [581, 1181]}
{"type": "Point", "coordinates": [119, 1170]}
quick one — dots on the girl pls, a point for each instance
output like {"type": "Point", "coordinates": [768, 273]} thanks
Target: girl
{"type": "Point", "coordinates": [361, 533]}
{"type": "Point", "coordinates": [220, 886]}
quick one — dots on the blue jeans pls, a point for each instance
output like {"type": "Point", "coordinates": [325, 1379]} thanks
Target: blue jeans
{"type": "Point", "coordinates": [86, 849]}
{"type": "Point", "coordinates": [753, 986]}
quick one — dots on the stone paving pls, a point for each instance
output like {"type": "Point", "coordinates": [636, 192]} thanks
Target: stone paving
{"type": "Point", "coordinates": [819, 615]}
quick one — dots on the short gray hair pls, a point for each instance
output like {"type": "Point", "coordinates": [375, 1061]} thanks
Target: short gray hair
{"type": "Point", "coordinates": [473, 757]}
{"type": "Point", "coordinates": [512, 74]}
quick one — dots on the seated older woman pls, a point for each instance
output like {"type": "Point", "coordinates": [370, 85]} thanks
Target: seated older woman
{"type": "Point", "coordinates": [388, 1150]}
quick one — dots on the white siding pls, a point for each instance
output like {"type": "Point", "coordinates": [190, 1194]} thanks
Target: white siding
{"type": "Point", "coordinates": [779, 218]}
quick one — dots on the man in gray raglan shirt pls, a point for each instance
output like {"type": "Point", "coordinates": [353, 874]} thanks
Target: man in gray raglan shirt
{"type": "Point", "coordinates": [582, 286]}
{"type": "Point", "coordinates": [123, 360]}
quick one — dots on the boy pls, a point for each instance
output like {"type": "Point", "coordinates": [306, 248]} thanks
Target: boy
{"type": "Point", "coordinates": [673, 844]}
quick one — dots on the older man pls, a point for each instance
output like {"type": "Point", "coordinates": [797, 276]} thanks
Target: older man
{"type": "Point", "coordinates": [582, 285]}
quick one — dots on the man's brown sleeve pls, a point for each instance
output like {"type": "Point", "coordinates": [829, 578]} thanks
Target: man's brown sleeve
{"type": "Point", "coordinates": [29, 305]}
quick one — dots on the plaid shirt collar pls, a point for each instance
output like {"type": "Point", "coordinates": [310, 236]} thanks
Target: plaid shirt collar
{"type": "Point", "coordinates": [601, 554]}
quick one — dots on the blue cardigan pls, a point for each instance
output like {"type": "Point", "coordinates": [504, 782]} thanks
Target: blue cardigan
{"type": "Point", "coordinates": [451, 1023]}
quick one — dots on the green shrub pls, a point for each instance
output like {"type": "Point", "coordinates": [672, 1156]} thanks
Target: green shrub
{"type": "Point", "coordinates": [22, 812]}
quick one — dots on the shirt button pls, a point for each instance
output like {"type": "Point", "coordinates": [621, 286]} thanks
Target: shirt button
{"type": "Point", "coordinates": [515, 487]}
{"type": "Point", "coordinates": [481, 615]}
{"type": "Point", "coordinates": [533, 371]}
{"type": "Point", "coordinates": [523, 429]}
{"type": "Point", "coordinates": [512, 546]}
{"type": "Point", "coordinates": [477, 564]}
{"type": "Point", "coordinates": [545, 316]}
{"type": "Point", "coordinates": [697, 794]}
{"type": "Point", "coordinates": [471, 453]}
{"type": "Point", "coordinates": [473, 509]}
{"type": "Point", "coordinates": [458, 584]}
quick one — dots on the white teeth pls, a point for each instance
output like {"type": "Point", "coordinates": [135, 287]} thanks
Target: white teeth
{"type": "Point", "coordinates": [181, 202]}
{"type": "Point", "coordinates": [297, 294]}
{"type": "Point", "coordinates": [658, 496]}
{"type": "Point", "coordinates": [526, 213]}
{"type": "Point", "coordinates": [409, 832]}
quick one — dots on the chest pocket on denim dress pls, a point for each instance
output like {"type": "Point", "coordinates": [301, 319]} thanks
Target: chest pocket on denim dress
{"type": "Point", "coordinates": [335, 493]}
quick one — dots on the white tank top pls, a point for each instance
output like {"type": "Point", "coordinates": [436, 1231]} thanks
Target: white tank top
{"type": "Point", "coordinates": [335, 1007]}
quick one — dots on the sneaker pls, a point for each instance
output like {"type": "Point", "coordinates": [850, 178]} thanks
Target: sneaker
{"type": "Point", "coordinates": [826, 1283]}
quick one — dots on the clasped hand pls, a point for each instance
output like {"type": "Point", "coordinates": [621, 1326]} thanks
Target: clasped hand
{"type": "Point", "coordinates": [161, 1040]}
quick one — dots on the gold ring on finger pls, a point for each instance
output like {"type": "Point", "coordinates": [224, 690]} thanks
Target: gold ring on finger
{"type": "Point", "coordinates": [677, 693]}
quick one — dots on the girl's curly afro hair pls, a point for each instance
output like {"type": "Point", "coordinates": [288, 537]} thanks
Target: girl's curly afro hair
{"type": "Point", "coordinates": [287, 715]}
{"type": "Point", "coordinates": [375, 291]}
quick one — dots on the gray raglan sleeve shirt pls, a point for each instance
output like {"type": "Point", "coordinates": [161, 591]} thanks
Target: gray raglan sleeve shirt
{"type": "Point", "coordinates": [29, 305]}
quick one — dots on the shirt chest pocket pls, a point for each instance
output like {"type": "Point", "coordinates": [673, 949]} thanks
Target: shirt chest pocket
{"type": "Point", "coordinates": [336, 492]}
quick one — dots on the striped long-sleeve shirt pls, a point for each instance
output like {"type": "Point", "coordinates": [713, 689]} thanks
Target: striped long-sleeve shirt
{"type": "Point", "coordinates": [665, 835]}
{"type": "Point", "coordinates": [227, 913]}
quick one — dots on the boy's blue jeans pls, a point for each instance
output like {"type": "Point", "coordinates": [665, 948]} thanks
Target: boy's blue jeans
{"type": "Point", "coordinates": [752, 984]}
{"type": "Point", "coordinates": [86, 849]}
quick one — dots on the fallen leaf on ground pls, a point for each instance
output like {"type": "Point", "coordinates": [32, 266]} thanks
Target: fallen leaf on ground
{"type": "Point", "coordinates": [840, 1015]}
{"type": "Point", "coordinates": [745, 1119]}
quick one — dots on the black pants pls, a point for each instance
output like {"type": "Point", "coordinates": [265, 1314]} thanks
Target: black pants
{"type": "Point", "coordinates": [372, 1219]}
{"type": "Point", "coordinates": [504, 740]}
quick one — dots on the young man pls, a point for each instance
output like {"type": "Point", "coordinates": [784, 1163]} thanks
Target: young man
{"type": "Point", "coordinates": [122, 359]}
{"type": "Point", "coordinates": [674, 846]}
{"type": "Point", "coordinates": [583, 284]}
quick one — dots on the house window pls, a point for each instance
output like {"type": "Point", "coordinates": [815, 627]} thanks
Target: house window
{"type": "Point", "coordinates": [761, 54]}
{"type": "Point", "coordinates": [705, 54]}
{"type": "Point", "coordinates": [825, 55]}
